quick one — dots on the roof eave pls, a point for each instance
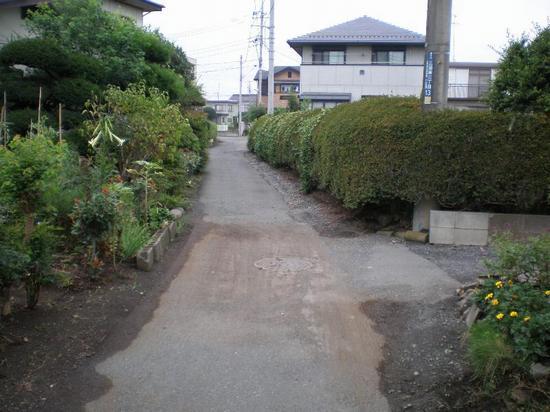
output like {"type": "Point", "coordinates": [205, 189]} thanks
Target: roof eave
{"type": "Point", "coordinates": [298, 44]}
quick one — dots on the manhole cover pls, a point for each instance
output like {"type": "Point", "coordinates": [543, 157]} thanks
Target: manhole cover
{"type": "Point", "coordinates": [285, 264]}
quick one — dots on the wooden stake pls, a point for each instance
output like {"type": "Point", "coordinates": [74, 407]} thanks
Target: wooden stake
{"type": "Point", "coordinates": [60, 120]}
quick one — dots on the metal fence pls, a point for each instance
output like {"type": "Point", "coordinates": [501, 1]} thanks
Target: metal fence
{"type": "Point", "coordinates": [467, 91]}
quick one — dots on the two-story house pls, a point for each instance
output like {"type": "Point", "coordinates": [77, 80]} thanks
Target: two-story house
{"type": "Point", "coordinates": [287, 83]}
{"type": "Point", "coordinates": [367, 57]}
{"type": "Point", "coordinates": [13, 13]}
{"type": "Point", "coordinates": [227, 111]}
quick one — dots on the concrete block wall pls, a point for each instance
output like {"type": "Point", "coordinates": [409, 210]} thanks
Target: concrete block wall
{"type": "Point", "coordinates": [475, 229]}
{"type": "Point", "coordinates": [459, 228]}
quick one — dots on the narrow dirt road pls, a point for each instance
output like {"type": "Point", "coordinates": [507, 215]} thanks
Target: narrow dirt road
{"type": "Point", "coordinates": [265, 314]}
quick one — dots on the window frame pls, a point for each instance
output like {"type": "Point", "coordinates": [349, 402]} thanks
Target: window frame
{"type": "Point", "coordinates": [326, 60]}
{"type": "Point", "coordinates": [388, 49]}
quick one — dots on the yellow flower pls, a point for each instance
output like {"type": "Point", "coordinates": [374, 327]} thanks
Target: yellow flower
{"type": "Point", "coordinates": [500, 316]}
{"type": "Point", "coordinates": [513, 314]}
{"type": "Point", "coordinates": [510, 282]}
{"type": "Point", "coordinates": [495, 302]}
{"type": "Point", "coordinates": [527, 318]}
{"type": "Point", "coordinates": [489, 296]}
{"type": "Point", "coordinates": [547, 293]}
{"type": "Point", "coordinates": [499, 284]}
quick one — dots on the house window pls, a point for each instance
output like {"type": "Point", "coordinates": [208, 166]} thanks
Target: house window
{"type": "Point", "coordinates": [392, 56]}
{"type": "Point", "coordinates": [361, 72]}
{"type": "Point", "coordinates": [334, 55]}
{"type": "Point", "coordinates": [290, 88]}
{"type": "Point", "coordinates": [289, 74]}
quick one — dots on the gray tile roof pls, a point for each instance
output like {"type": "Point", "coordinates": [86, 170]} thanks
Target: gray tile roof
{"type": "Point", "coordinates": [247, 98]}
{"type": "Point", "coordinates": [364, 30]}
{"type": "Point", "coordinates": [278, 69]}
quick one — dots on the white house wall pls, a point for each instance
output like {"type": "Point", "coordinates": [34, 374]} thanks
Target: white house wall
{"type": "Point", "coordinates": [376, 80]}
{"type": "Point", "coordinates": [459, 79]}
{"type": "Point", "coordinates": [11, 25]}
{"type": "Point", "coordinates": [124, 10]}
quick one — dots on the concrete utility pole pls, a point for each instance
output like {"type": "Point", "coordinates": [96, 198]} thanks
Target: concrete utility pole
{"type": "Point", "coordinates": [271, 81]}
{"type": "Point", "coordinates": [438, 47]}
{"type": "Point", "coordinates": [241, 98]}
{"type": "Point", "coordinates": [261, 55]}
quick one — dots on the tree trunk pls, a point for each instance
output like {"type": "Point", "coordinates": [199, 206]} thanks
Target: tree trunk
{"type": "Point", "coordinates": [32, 286]}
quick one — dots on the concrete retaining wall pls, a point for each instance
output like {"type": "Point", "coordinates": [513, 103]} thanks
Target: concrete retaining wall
{"type": "Point", "coordinates": [470, 228]}
{"type": "Point", "coordinates": [154, 251]}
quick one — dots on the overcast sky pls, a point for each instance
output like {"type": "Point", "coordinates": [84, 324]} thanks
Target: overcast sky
{"type": "Point", "coordinates": [217, 32]}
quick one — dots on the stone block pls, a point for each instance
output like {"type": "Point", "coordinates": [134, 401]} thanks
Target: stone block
{"type": "Point", "coordinates": [173, 230]}
{"type": "Point", "coordinates": [145, 259]}
{"type": "Point", "coordinates": [442, 219]}
{"type": "Point", "coordinates": [161, 244]}
{"type": "Point", "coordinates": [442, 235]}
{"type": "Point", "coordinates": [471, 237]}
{"type": "Point", "coordinates": [471, 220]}
{"type": "Point", "coordinates": [413, 236]}
{"type": "Point", "coordinates": [421, 214]}
{"type": "Point", "coordinates": [177, 213]}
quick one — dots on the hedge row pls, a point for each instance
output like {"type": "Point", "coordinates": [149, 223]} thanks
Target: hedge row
{"type": "Point", "coordinates": [386, 149]}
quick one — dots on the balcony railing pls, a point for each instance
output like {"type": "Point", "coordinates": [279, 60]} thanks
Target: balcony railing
{"type": "Point", "coordinates": [467, 91]}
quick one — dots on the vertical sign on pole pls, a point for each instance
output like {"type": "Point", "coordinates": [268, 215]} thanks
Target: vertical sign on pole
{"type": "Point", "coordinates": [428, 78]}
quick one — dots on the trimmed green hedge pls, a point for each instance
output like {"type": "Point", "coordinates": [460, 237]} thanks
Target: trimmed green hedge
{"type": "Point", "coordinates": [386, 149]}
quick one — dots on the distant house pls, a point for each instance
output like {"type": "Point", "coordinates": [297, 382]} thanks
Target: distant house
{"type": "Point", "coordinates": [287, 83]}
{"type": "Point", "coordinates": [469, 83]}
{"type": "Point", "coordinates": [366, 57]}
{"type": "Point", "coordinates": [227, 111]}
{"type": "Point", "coordinates": [247, 100]}
{"type": "Point", "coordinates": [13, 13]}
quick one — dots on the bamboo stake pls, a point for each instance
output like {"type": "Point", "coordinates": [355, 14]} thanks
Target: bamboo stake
{"type": "Point", "coordinates": [4, 116]}
{"type": "Point", "coordinates": [39, 103]}
{"type": "Point", "coordinates": [60, 120]}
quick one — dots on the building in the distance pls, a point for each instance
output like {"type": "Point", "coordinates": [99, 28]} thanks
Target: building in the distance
{"type": "Point", "coordinates": [227, 111]}
{"type": "Point", "coordinates": [13, 13]}
{"type": "Point", "coordinates": [287, 83]}
{"type": "Point", "coordinates": [366, 57]}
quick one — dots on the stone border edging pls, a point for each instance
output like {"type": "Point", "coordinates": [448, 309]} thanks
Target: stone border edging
{"type": "Point", "coordinates": [153, 252]}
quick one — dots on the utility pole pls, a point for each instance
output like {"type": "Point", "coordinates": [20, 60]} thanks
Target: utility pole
{"type": "Point", "coordinates": [261, 55]}
{"type": "Point", "coordinates": [436, 62]}
{"type": "Point", "coordinates": [241, 98]}
{"type": "Point", "coordinates": [271, 80]}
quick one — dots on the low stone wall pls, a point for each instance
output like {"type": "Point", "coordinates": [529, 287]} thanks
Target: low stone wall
{"type": "Point", "coordinates": [154, 251]}
{"type": "Point", "coordinates": [471, 228]}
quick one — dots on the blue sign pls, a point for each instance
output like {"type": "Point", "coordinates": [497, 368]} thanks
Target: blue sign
{"type": "Point", "coordinates": [429, 72]}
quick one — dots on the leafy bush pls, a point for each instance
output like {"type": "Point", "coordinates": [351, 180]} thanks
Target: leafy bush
{"type": "Point", "coordinates": [153, 129]}
{"type": "Point", "coordinates": [158, 216]}
{"type": "Point", "coordinates": [515, 300]}
{"type": "Point", "coordinates": [522, 81]}
{"type": "Point", "coordinates": [386, 149]}
{"type": "Point", "coordinates": [133, 237]}
{"type": "Point", "coordinates": [29, 170]}
{"type": "Point", "coordinates": [253, 113]}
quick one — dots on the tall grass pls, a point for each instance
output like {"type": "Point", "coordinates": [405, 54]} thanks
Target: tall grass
{"type": "Point", "coordinates": [133, 237]}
